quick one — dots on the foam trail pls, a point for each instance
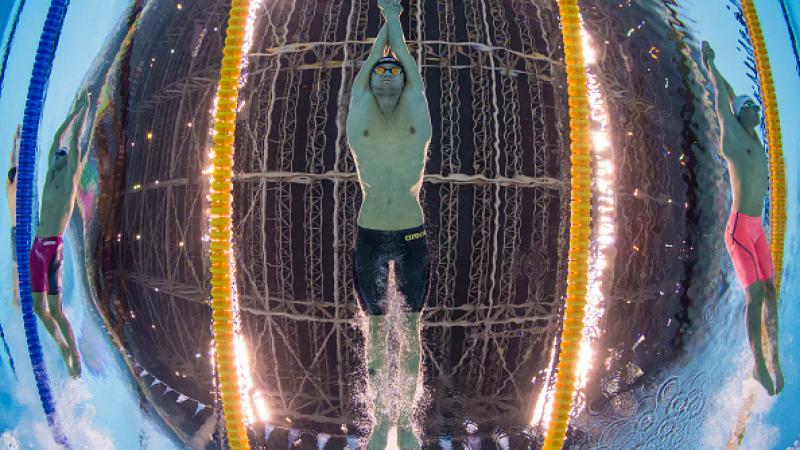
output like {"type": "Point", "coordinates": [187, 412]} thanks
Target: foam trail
{"type": "Point", "coordinates": [8, 441]}
{"type": "Point", "coordinates": [503, 442]}
{"type": "Point", "coordinates": [353, 443]}
{"type": "Point", "coordinates": [268, 429]}
{"type": "Point", "coordinates": [322, 439]}
{"type": "Point", "coordinates": [294, 435]}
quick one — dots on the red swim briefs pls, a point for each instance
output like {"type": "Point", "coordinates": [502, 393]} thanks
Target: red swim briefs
{"type": "Point", "coordinates": [45, 260]}
{"type": "Point", "coordinates": [748, 247]}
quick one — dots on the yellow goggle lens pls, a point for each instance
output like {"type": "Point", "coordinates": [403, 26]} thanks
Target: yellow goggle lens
{"type": "Point", "coordinates": [380, 70]}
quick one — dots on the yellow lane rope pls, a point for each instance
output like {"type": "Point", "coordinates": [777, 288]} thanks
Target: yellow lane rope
{"type": "Point", "coordinates": [580, 217]}
{"type": "Point", "coordinates": [777, 195]}
{"type": "Point", "coordinates": [220, 219]}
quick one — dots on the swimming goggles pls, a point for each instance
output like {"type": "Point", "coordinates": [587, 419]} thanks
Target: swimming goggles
{"type": "Point", "coordinates": [395, 70]}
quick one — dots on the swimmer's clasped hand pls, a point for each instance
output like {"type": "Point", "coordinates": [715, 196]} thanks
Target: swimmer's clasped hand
{"type": "Point", "coordinates": [390, 7]}
{"type": "Point", "coordinates": [708, 53]}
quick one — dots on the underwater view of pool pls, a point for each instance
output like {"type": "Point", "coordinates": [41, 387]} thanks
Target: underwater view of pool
{"type": "Point", "coordinates": [405, 233]}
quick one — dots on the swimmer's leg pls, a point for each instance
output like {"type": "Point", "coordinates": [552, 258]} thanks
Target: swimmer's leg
{"type": "Point", "coordinates": [755, 294]}
{"type": "Point", "coordinates": [57, 314]}
{"type": "Point", "coordinates": [771, 319]}
{"type": "Point", "coordinates": [412, 276]}
{"type": "Point", "coordinates": [406, 439]}
{"type": "Point", "coordinates": [49, 322]}
{"type": "Point", "coordinates": [376, 363]}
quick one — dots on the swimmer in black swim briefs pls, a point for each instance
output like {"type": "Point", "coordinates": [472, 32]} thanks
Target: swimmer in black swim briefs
{"type": "Point", "coordinates": [389, 131]}
{"type": "Point", "coordinates": [374, 249]}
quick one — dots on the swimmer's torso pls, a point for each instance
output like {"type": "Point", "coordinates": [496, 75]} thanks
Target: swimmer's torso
{"type": "Point", "coordinates": [390, 158]}
{"type": "Point", "coordinates": [58, 198]}
{"type": "Point", "coordinates": [749, 171]}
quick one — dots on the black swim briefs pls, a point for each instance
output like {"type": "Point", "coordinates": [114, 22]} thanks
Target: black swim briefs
{"type": "Point", "coordinates": [374, 249]}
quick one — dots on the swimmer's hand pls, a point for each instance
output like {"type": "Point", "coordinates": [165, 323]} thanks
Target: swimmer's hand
{"type": "Point", "coordinates": [390, 7]}
{"type": "Point", "coordinates": [708, 53]}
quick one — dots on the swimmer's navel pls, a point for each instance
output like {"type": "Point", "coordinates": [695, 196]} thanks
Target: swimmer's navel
{"type": "Point", "coordinates": [366, 133]}
{"type": "Point", "coordinates": [412, 130]}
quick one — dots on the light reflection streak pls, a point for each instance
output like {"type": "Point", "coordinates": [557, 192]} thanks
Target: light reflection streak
{"type": "Point", "coordinates": [603, 235]}
{"type": "Point", "coordinates": [603, 216]}
{"type": "Point", "coordinates": [247, 43]}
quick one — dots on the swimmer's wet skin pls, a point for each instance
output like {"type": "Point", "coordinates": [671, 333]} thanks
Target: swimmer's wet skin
{"type": "Point", "coordinates": [58, 201]}
{"type": "Point", "coordinates": [11, 198]}
{"type": "Point", "coordinates": [389, 130]}
{"type": "Point", "coordinates": [744, 234]}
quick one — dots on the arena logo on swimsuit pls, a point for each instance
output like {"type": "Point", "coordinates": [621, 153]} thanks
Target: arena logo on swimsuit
{"type": "Point", "coordinates": [412, 236]}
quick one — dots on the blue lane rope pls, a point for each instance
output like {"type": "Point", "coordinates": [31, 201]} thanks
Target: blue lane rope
{"type": "Point", "coordinates": [7, 49]}
{"type": "Point", "coordinates": [40, 76]}
{"type": "Point", "coordinates": [8, 352]}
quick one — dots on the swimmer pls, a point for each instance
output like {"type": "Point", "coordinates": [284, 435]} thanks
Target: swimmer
{"type": "Point", "coordinates": [744, 235]}
{"type": "Point", "coordinates": [389, 131]}
{"type": "Point", "coordinates": [11, 196]}
{"type": "Point", "coordinates": [58, 201]}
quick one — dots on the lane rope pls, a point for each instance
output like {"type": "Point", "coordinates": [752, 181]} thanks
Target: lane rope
{"type": "Point", "coordinates": [221, 196]}
{"type": "Point", "coordinates": [26, 185]}
{"type": "Point", "coordinates": [580, 223]}
{"type": "Point", "coordinates": [777, 174]}
{"type": "Point", "coordinates": [777, 192]}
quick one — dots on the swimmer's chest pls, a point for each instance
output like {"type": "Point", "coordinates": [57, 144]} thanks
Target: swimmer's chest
{"type": "Point", "coordinates": [57, 186]}
{"type": "Point", "coordinates": [403, 138]}
{"type": "Point", "coordinates": [748, 156]}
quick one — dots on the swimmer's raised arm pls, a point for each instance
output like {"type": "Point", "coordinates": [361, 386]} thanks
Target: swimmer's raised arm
{"type": "Point", "coordinates": [15, 147]}
{"type": "Point", "coordinates": [74, 147]}
{"type": "Point", "coordinates": [66, 124]}
{"type": "Point", "coordinates": [397, 41]}
{"type": "Point", "coordinates": [361, 83]}
{"type": "Point", "coordinates": [76, 127]}
{"type": "Point", "coordinates": [724, 94]}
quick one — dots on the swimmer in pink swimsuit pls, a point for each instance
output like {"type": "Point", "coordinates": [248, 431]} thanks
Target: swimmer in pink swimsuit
{"type": "Point", "coordinates": [748, 247]}
{"type": "Point", "coordinates": [58, 201]}
{"type": "Point", "coordinates": [744, 234]}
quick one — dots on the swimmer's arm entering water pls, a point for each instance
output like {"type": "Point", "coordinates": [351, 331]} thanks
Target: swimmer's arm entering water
{"type": "Point", "coordinates": [728, 124]}
{"type": "Point", "coordinates": [361, 83]}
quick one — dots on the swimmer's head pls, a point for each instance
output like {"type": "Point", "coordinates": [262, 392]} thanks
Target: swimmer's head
{"type": "Point", "coordinates": [12, 175]}
{"type": "Point", "coordinates": [387, 78]}
{"type": "Point", "coordinates": [747, 111]}
{"type": "Point", "coordinates": [59, 159]}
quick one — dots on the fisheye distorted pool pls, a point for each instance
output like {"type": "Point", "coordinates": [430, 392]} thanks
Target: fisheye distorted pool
{"type": "Point", "coordinates": [399, 224]}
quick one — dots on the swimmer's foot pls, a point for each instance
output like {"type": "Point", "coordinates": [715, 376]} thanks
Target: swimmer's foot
{"type": "Point", "coordinates": [75, 366]}
{"type": "Point", "coordinates": [761, 374]}
{"type": "Point", "coordinates": [71, 359]}
{"type": "Point", "coordinates": [406, 439]}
